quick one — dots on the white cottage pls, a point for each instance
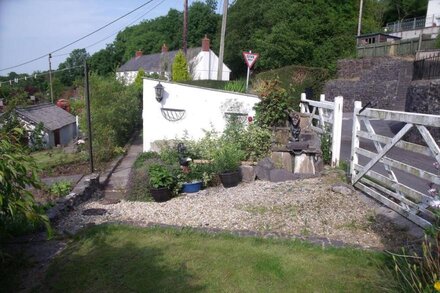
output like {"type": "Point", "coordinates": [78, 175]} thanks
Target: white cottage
{"type": "Point", "coordinates": [202, 62]}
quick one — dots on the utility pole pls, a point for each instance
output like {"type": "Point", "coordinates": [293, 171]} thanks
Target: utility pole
{"type": "Point", "coordinates": [222, 40]}
{"type": "Point", "coordinates": [89, 120]}
{"type": "Point", "coordinates": [185, 25]}
{"type": "Point", "coordinates": [360, 17]}
{"type": "Point", "coordinates": [50, 78]}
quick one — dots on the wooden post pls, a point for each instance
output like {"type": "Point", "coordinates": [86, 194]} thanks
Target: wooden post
{"type": "Point", "coordinates": [302, 104]}
{"type": "Point", "coordinates": [354, 139]}
{"type": "Point", "coordinates": [337, 130]}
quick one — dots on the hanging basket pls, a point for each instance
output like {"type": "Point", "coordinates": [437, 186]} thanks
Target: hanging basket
{"type": "Point", "coordinates": [172, 115]}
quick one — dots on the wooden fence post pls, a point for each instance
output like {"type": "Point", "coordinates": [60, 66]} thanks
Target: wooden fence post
{"type": "Point", "coordinates": [302, 104]}
{"type": "Point", "coordinates": [355, 139]}
{"type": "Point", "coordinates": [337, 131]}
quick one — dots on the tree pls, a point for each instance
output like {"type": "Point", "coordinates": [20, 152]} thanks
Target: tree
{"type": "Point", "coordinates": [17, 171]}
{"type": "Point", "coordinates": [399, 9]}
{"type": "Point", "coordinates": [75, 61]}
{"type": "Point", "coordinates": [105, 61]}
{"type": "Point", "coordinates": [180, 68]}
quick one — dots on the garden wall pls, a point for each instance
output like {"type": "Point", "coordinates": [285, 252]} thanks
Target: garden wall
{"type": "Point", "coordinates": [191, 109]}
{"type": "Point", "coordinates": [383, 80]}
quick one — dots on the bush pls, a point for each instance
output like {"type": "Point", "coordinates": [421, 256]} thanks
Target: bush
{"type": "Point", "coordinates": [180, 68]}
{"type": "Point", "coordinates": [271, 110]}
{"type": "Point", "coordinates": [17, 171]}
{"type": "Point", "coordinates": [116, 114]}
{"type": "Point", "coordinates": [238, 86]}
{"type": "Point", "coordinates": [61, 188]}
{"type": "Point", "coordinates": [227, 157]}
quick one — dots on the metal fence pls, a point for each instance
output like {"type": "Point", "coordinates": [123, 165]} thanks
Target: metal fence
{"type": "Point", "coordinates": [405, 25]}
{"type": "Point", "coordinates": [428, 68]}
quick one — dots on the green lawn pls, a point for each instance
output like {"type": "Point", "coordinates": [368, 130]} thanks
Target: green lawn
{"type": "Point", "coordinates": [48, 159]}
{"type": "Point", "coordinates": [127, 259]}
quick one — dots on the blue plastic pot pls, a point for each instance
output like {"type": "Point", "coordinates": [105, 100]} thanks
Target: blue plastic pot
{"type": "Point", "coordinates": [192, 187]}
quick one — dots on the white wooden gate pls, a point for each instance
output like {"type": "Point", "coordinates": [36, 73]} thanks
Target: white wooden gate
{"type": "Point", "coordinates": [397, 195]}
{"type": "Point", "coordinates": [329, 115]}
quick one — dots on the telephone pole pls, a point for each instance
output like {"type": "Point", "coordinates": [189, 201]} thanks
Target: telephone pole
{"type": "Point", "coordinates": [50, 78]}
{"type": "Point", "coordinates": [222, 40]}
{"type": "Point", "coordinates": [89, 120]}
{"type": "Point", "coordinates": [361, 4]}
{"type": "Point", "coordinates": [185, 25]}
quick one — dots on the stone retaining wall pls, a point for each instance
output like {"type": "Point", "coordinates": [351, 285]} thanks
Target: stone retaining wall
{"type": "Point", "coordinates": [86, 188]}
{"type": "Point", "coordinates": [383, 80]}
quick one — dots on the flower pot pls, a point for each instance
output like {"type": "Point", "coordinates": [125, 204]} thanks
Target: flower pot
{"type": "Point", "coordinates": [230, 179]}
{"type": "Point", "coordinates": [160, 194]}
{"type": "Point", "coordinates": [192, 187]}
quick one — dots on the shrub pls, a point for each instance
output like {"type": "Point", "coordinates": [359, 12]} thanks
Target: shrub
{"type": "Point", "coordinates": [180, 68]}
{"type": "Point", "coordinates": [227, 157]}
{"type": "Point", "coordinates": [143, 157]}
{"type": "Point", "coordinates": [238, 86]}
{"type": "Point", "coordinates": [160, 176]}
{"type": "Point", "coordinates": [61, 188]}
{"type": "Point", "coordinates": [17, 171]}
{"type": "Point", "coordinates": [116, 115]}
{"type": "Point", "coordinates": [271, 110]}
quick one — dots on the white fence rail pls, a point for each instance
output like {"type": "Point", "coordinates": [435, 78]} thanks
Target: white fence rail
{"type": "Point", "coordinates": [326, 117]}
{"type": "Point", "coordinates": [388, 189]}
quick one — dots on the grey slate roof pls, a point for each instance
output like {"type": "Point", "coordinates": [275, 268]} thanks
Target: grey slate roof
{"type": "Point", "coordinates": [151, 63]}
{"type": "Point", "coordinates": [53, 117]}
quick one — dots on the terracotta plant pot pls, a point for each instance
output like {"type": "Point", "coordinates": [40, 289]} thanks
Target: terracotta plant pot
{"type": "Point", "coordinates": [230, 179]}
{"type": "Point", "coordinates": [160, 194]}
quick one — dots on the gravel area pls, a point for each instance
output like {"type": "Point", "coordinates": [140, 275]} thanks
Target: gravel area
{"type": "Point", "coordinates": [306, 208]}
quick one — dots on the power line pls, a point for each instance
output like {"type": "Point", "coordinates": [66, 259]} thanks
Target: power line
{"type": "Point", "coordinates": [77, 40]}
{"type": "Point", "coordinates": [34, 76]}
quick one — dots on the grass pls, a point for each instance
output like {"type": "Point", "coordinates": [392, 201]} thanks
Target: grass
{"type": "Point", "coordinates": [50, 159]}
{"type": "Point", "coordinates": [114, 258]}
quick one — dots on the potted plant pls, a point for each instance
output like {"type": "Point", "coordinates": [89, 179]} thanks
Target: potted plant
{"type": "Point", "coordinates": [161, 182]}
{"type": "Point", "coordinates": [199, 175]}
{"type": "Point", "coordinates": [227, 159]}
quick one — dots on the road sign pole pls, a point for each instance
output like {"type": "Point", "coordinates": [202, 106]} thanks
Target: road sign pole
{"type": "Point", "coordinates": [247, 79]}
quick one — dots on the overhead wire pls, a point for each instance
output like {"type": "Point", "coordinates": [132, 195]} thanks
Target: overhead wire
{"type": "Point", "coordinates": [34, 76]}
{"type": "Point", "coordinates": [77, 40]}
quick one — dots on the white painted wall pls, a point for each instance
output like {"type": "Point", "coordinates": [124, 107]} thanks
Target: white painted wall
{"type": "Point", "coordinates": [433, 13]}
{"type": "Point", "coordinates": [205, 66]}
{"type": "Point", "coordinates": [203, 108]}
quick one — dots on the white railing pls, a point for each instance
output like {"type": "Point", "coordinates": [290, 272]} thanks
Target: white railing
{"type": "Point", "coordinates": [409, 173]}
{"type": "Point", "coordinates": [326, 115]}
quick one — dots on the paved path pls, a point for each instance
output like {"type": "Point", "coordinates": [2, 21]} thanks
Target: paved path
{"type": "Point", "coordinates": [117, 185]}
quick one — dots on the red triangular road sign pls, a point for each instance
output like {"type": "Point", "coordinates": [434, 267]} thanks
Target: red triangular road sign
{"type": "Point", "coordinates": [250, 58]}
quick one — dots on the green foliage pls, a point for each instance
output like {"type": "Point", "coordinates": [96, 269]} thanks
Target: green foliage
{"type": "Point", "coordinates": [75, 61]}
{"type": "Point", "coordinates": [115, 115]}
{"type": "Point", "coordinates": [238, 86]}
{"type": "Point", "coordinates": [138, 81]}
{"type": "Point", "coordinates": [18, 170]}
{"type": "Point", "coordinates": [143, 157]}
{"type": "Point", "coordinates": [255, 142]}
{"type": "Point", "coordinates": [105, 61]}
{"type": "Point", "coordinates": [227, 157]}
{"type": "Point", "coordinates": [180, 68]}
{"type": "Point", "coordinates": [437, 41]}
{"type": "Point", "coordinates": [326, 147]}
{"type": "Point", "coordinates": [284, 32]}
{"type": "Point", "coordinates": [36, 137]}
{"type": "Point", "coordinates": [297, 77]}
{"type": "Point", "coordinates": [395, 10]}
{"type": "Point", "coordinates": [60, 188]}
{"type": "Point", "coordinates": [275, 101]}
{"type": "Point", "coordinates": [160, 176]}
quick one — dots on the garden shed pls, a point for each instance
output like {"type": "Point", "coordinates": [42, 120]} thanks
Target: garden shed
{"type": "Point", "coordinates": [170, 110]}
{"type": "Point", "coordinates": [60, 127]}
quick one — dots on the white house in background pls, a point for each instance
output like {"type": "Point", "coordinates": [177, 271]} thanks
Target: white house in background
{"type": "Point", "coordinates": [202, 62]}
{"type": "Point", "coordinates": [189, 109]}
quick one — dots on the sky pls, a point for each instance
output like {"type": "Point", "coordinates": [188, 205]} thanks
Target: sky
{"type": "Point", "coordinates": [33, 28]}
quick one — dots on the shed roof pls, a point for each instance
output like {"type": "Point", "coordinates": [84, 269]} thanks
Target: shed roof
{"type": "Point", "coordinates": [51, 116]}
{"type": "Point", "coordinates": [151, 62]}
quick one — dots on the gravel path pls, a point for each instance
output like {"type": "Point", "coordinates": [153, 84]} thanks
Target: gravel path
{"type": "Point", "coordinates": [306, 207]}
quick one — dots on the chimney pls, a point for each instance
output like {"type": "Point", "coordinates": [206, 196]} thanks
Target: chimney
{"type": "Point", "coordinates": [205, 44]}
{"type": "Point", "coordinates": [138, 53]}
{"type": "Point", "coordinates": [164, 48]}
